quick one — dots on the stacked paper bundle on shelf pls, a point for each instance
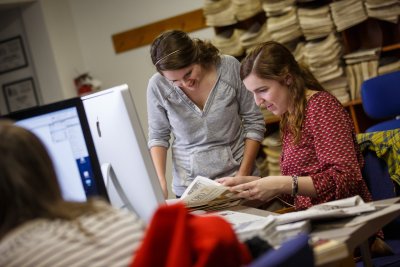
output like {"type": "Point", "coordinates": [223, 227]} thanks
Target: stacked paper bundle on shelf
{"type": "Point", "coordinates": [245, 9]}
{"type": "Point", "coordinates": [388, 10]}
{"type": "Point", "coordinates": [361, 65]}
{"type": "Point", "coordinates": [298, 52]}
{"type": "Point", "coordinates": [284, 28]}
{"type": "Point", "coordinates": [272, 147]}
{"type": "Point", "coordinates": [228, 42]}
{"type": "Point", "coordinates": [359, 72]}
{"type": "Point", "coordinates": [362, 55]}
{"type": "Point", "coordinates": [323, 57]}
{"type": "Point", "coordinates": [255, 35]}
{"type": "Point", "coordinates": [388, 64]}
{"type": "Point", "coordinates": [347, 13]}
{"type": "Point", "coordinates": [315, 22]}
{"type": "Point", "coordinates": [338, 87]}
{"type": "Point", "coordinates": [219, 13]}
{"type": "Point", "coordinates": [277, 7]}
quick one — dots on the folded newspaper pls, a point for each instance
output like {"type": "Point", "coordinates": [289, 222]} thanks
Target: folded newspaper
{"type": "Point", "coordinates": [347, 207]}
{"type": "Point", "coordinates": [206, 194]}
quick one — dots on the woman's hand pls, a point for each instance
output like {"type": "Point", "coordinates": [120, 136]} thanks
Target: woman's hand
{"type": "Point", "coordinates": [232, 181]}
{"type": "Point", "coordinates": [252, 187]}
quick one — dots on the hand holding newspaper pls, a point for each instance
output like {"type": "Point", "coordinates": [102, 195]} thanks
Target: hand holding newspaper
{"type": "Point", "coordinates": [206, 194]}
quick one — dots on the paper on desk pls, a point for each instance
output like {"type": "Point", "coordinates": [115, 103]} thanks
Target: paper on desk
{"type": "Point", "coordinates": [207, 194]}
{"type": "Point", "coordinates": [248, 225]}
{"type": "Point", "coordinates": [335, 209]}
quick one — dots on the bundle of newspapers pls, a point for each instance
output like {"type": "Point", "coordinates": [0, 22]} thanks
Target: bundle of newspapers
{"type": "Point", "coordinates": [206, 194]}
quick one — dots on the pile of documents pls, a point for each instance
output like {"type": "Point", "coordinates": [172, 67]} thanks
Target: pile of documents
{"type": "Point", "coordinates": [256, 34]}
{"type": "Point", "coordinates": [342, 208]}
{"type": "Point", "coordinates": [219, 13]}
{"type": "Point", "coordinates": [285, 27]}
{"type": "Point", "coordinates": [245, 9]}
{"type": "Point", "coordinates": [347, 13]}
{"type": "Point", "coordinates": [206, 194]}
{"type": "Point", "coordinates": [388, 10]}
{"type": "Point", "coordinates": [228, 42]}
{"type": "Point", "coordinates": [323, 57]}
{"type": "Point", "coordinates": [361, 65]}
{"type": "Point", "coordinates": [272, 147]}
{"type": "Point", "coordinates": [277, 7]}
{"type": "Point", "coordinates": [315, 22]}
{"type": "Point", "coordinates": [338, 87]}
{"type": "Point", "coordinates": [388, 64]}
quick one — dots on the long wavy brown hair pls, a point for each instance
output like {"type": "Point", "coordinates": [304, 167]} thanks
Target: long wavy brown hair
{"type": "Point", "coordinates": [272, 60]}
{"type": "Point", "coordinates": [29, 187]}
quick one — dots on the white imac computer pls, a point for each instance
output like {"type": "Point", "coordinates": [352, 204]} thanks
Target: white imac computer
{"type": "Point", "coordinates": [121, 147]}
{"type": "Point", "coordinates": [63, 129]}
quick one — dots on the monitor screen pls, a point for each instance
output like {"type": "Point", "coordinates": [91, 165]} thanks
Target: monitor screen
{"type": "Point", "coordinates": [63, 129]}
{"type": "Point", "coordinates": [122, 150]}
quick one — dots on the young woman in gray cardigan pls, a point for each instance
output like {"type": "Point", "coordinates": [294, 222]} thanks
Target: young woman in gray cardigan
{"type": "Point", "coordinates": [197, 96]}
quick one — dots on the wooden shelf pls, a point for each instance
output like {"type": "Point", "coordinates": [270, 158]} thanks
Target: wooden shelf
{"type": "Point", "coordinates": [137, 37]}
{"type": "Point", "coordinates": [391, 47]}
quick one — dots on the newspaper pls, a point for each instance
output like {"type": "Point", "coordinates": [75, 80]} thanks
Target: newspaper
{"type": "Point", "coordinates": [334, 209]}
{"type": "Point", "coordinates": [248, 225]}
{"type": "Point", "coordinates": [206, 194]}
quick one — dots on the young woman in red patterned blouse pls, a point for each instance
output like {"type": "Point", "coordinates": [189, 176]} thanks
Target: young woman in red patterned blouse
{"type": "Point", "coordinates": [320, 160]}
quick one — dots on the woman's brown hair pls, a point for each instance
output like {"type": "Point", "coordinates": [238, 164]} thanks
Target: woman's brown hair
{"type": "Point", "coordinates": [272, 60]}
{"type": "Point", "coordinates": [173, 50]}
{"type": "Point", "coordinates": [28, 183]}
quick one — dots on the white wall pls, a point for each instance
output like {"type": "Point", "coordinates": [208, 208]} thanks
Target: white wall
{"type": "Point", "coordinates": [97, 20]}
{"type": "Point", "coordinates": [70, 37]}
{"type": "Point", "coordinates": [11, 25]}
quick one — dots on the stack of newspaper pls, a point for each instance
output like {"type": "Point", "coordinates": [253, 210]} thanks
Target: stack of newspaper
{"type": "Point", "coordinates": [228, 42]}
{"type": "Point", "coordinates": [284, 28]}
{"type": "Point", "coordinates": [361, 65]}
{"type": "Point", "coordinates": [277, 7]}
{"type": "Point", "coordinates": [206, 194]}
{"type": "Point", "coordinates": [334, 209]}
{"type": "Point", "coordinates": [245, 9]}
{"type": "Point", "coordinates": [323, 56]}
{"type": "Point", "coordinates": [219, 13]}
{"type": "Point", "coordinates": [315, 22]}
{"type": "Point", "coordinates": [388, 10]}
{"type": "Point", "coordinates": [347, 13]}
{"type": "Point", "coordinates": [256, 34]}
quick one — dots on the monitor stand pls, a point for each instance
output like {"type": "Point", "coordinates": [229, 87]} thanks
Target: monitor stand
{"type": "Point", "coordinates": [115, 192]}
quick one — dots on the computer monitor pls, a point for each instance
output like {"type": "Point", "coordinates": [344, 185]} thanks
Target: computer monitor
{"type": "Point", "coordinates": [64, 130]}
{"type": "Point", "coordinates": [122, 150]}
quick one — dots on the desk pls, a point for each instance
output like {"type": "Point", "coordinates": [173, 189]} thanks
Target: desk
{"type": "Point", "coordinates": [353, 232]}
{"type": "Point", "coordinates": [357, 235]}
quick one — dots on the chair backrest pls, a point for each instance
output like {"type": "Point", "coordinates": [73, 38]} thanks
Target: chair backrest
{"type": "Point", "coordinates": [376, 175]}
{"type": "Point", "coordinates": [381, 96]}
{"type": "Point", "coordinates": [294, 252]}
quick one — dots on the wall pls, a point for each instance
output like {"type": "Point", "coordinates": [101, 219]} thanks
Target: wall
{"type": "Point", "coordinates": [11, 25]}
{"type": "Point", "coordinates": [70, 37]}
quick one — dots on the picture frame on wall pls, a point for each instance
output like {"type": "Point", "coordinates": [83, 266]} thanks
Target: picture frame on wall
{"type": "Point", "coordinates": [12, 55]}
{"type": "Point", "coordinates": [20, 94]}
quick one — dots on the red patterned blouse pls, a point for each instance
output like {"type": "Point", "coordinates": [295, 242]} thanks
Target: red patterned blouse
{"type": "Point", "coordinates": [327, 151]}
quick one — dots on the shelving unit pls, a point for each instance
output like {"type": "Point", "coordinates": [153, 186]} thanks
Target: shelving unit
{"type": "Point", "coordinates": [369, 34]}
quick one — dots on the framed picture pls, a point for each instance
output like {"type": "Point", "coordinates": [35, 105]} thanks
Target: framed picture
{"type": "Point", "coordinates": [12, 55]}
{"type": "Point", "coordinates": [20, 94]}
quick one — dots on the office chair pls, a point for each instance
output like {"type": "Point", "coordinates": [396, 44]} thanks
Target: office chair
{"type": "Point", "coordinates": [376, 175]}
{"type": "Point", "coordinates": [294, 252]}
{"type": "Point", "coordinates": [381, 100]}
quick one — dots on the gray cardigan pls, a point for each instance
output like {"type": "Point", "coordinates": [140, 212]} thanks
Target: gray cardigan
{"type": "Point", "coordinates": [208, 142]}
